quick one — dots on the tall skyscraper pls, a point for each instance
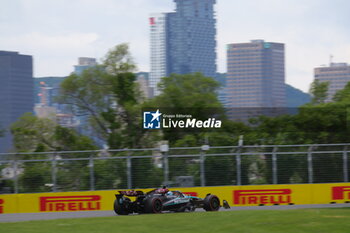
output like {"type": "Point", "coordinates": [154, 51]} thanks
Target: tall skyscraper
{"type": "Point", "coordinates": [256, 75]}
{"type": "Point", "coordinates": [337, 74]}
{"type": "Point", "coordinates": [159, 46]}
{"type": "Point", "coordinates": [16, 91]}
{"type": "Point", "coordinates": [183, 41]}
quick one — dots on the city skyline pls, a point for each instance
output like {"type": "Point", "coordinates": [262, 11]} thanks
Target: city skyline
{"type": "Point", "coordinates": [56, 34]}
{"type": "Point", "coordinates": [183, 41]}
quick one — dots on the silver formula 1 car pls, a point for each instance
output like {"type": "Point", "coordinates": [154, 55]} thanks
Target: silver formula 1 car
{"type": "Point", "coordinates": [158, 200]}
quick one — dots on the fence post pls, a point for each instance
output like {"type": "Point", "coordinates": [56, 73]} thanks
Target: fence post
{"type": "Point", "coordinates": [166, 168]}
{"type": "Point", "coordinates": [128, 171]}
{"type": "Point", "coordinates": [309, 164]}
{"type": "Point", "coordinates": [92, 172]}
{"type": "Point", "coordinates": [202, 164]}
{"type": "Point", "coordinates": [202, 169]}
{"type": "Point", "coordinates": [15, 173]}
{"type": "Point", "coordinates": [274, 165]}
{"type": "Point", "coordinates": [53, 173]}
{"type": "Point", "coordinates": [164, 150]}
{"type": "Point", "coordinates": [238, 166]}
{"type": "Point", "coordinates": [345, 164]}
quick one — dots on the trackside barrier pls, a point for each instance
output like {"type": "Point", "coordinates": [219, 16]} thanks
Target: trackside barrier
{"type": "Point", "coordinates": [64, 171]}
{"type": "Point", "coordinates": [256, 195]}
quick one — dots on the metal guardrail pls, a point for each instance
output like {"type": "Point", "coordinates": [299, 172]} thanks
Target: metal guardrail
{"type": "Point", "coordinates": [177, 166]}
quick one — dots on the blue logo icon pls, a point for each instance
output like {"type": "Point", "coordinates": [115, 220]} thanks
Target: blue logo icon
{"type": "Point", "coordinates": [151, 120]}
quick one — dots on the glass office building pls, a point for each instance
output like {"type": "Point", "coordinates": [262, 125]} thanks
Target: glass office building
{"type": "Point", "coordinates": [256, 77]}
{"type": "Point", "coordinates": [158, 49]}
{"type": "Point", "coordinates": [16, 91]}
{"type": "Point", "coordinates": [183, 41]}
{"type": "Point", "coordinates": [337, 74]}
{"type": "Point", "coordinates": [83, 64]}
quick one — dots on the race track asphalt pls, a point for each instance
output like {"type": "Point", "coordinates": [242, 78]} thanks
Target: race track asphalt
{"type": "Point", "coordinates": [92, 214]}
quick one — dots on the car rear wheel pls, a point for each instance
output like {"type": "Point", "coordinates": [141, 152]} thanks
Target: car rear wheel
{"type": "Point", "coordinates": [153, 205]}
{"type": "Point", "coordinates": [211, 203]}
{"type": "Point", "coordinates": [119, 208]}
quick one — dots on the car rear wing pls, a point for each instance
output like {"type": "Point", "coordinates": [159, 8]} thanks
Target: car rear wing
{"type": "Point", "coordinates": [131, 193]}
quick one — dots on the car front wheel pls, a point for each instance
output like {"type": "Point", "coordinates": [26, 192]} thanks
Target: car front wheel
{"type": "Point", "coordinates": [211, 203]}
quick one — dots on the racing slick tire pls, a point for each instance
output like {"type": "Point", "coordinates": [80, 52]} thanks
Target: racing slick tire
{"type": "Point", "coordinates": [211, 203]}
{"type": "Point", "coordinates": [153, 205]}
{"type": "Point", "coordinates": [120, 208]}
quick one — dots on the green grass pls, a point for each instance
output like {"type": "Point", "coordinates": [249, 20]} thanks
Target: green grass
{"type": "Point", "coordinates": [254, 221]}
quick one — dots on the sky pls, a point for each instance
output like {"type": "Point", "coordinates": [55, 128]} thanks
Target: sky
{"type": "Point", "coordinates": [57, 32]}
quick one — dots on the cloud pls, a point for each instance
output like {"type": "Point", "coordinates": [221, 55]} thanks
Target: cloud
{"type": "Point", "coordinates": [57, 32]}
{"type": "Point", "coordinates": [37, 40]}
{"type": "Point", "coordinates": [65, 30]}
{"type": "Point", "coordinates": [54, 55]}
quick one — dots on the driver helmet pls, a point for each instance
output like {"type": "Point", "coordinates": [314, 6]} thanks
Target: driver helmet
{"type": "Point", "coordinates": [170, 193]}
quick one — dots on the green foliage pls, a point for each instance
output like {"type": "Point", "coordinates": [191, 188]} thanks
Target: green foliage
{"type": "Point", "coordinates": [188, 91]}
{"type": "Point", "coordinates": [33, 134]}
{"type": "Point", "coordinates": [69, 140]}
{"type": "Point", "coordinates": [145, 174]}
{"type": "Point", "coordinates": [220, 170]}
{"type": "Point", "coordinates": [30, 132]}
{"type": "Point", "coordinates": [192, 94]}
{"type": "Point", "coordinates": [343, 95]}
{"type": "Point", "coordinates": [119, 60]}
{"type": "Point", "coordinates": [34, 177]}
{"type": "Point", "coordinates": [319, 91]}
{"type": "Point", "coordinates": [72, 175]}
{"type": "Point", "coordinates": [315, 123]}
{"type": "Point", "coordinates": [110, 174]}
{"type": "Point", "coordinates": [110, 97]}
